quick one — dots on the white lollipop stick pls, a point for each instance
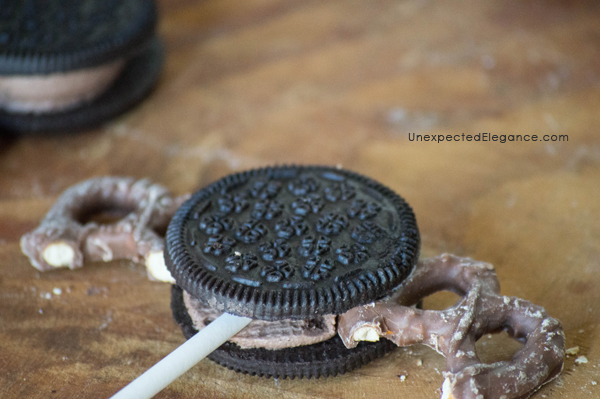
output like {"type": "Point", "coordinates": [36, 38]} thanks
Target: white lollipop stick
{"type": "Point", "coordinates": [183, 358]}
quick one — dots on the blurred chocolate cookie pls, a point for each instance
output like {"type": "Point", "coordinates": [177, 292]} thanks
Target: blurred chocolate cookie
{"type": "Point", "coordinates": [72, 64]}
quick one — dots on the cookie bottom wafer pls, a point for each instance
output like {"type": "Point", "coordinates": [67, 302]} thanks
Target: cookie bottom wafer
{"type": "Point", "coordinates": [328, 358]}
{"type": "Point", "coordinates": [135, 82]}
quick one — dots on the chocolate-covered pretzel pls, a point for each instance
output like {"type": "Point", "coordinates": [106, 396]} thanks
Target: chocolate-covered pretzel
{"type": "Point", "coordinates": [65, 239]}
{"type": "Point", "coordinates": [454, 332]}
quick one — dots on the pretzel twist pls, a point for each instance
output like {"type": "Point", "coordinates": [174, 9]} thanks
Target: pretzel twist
{"type": "Point", "coordinates": [454, 332]}
{"type": "Point", "coordinates": [63, 239]}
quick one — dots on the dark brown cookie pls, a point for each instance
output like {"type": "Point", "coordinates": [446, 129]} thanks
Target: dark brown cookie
{"type": "Point", "coordinates": [292, 242]}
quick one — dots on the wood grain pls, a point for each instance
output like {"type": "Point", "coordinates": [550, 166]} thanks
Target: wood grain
{"type": "Point", "coordinates": [256, 83]}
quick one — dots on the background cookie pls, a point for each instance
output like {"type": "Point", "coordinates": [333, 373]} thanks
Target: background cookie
{"type": "Point", "coordinates": [67, 65]}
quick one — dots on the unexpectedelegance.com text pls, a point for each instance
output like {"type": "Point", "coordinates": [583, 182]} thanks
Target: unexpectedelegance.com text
{"type": "Point", "coordinates": [487, 137]}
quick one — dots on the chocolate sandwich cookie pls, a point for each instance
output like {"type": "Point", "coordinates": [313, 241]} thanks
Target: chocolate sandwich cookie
{"type": "Point", "coordinates": [71, 64]}
{"type": "Point", "coordinates": [323, 359]}
{"type": "Point", "coordinates": [290, 243]}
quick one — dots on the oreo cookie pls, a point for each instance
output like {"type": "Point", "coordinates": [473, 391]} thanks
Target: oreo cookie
{"type": "Point", "coordinates": [324, 359]}
{"type": "Point", "coordinates": [290, 243]}
{"type": "Point", "coordinates": [71, 64]}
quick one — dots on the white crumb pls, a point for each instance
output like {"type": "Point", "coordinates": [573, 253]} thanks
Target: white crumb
{"type": "Point", "coordinates": [572, 351]}
{"type": "Point", "coordinates": [581, 360]}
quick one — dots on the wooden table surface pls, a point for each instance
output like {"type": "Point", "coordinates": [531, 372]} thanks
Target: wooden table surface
{"type": "Point", "coordinates": [254, 83]}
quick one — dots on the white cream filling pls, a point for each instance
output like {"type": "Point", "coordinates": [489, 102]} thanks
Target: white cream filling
{"type": "Point", "coordinates": [58, 91]}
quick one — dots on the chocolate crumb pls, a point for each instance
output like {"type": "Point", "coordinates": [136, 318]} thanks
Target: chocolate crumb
{"type": "Point", "coordinates": [93, 291]}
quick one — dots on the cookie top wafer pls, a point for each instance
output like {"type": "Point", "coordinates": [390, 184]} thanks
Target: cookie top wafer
{"type": "Point", "coordinates": [47, 36]}
{"type": "Point", "coordinates": [292, 242]}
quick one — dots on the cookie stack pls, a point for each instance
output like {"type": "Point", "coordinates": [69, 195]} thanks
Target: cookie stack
{"type": "Point", "coordinates": [291, 248]}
